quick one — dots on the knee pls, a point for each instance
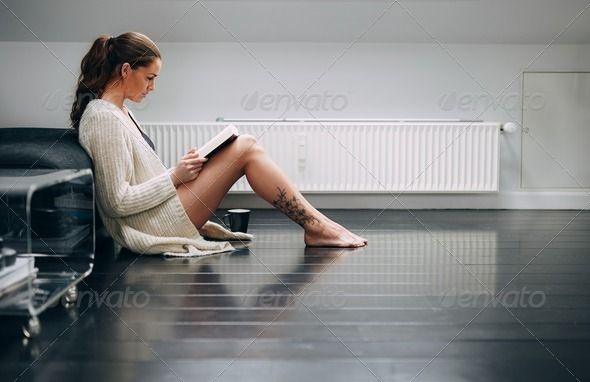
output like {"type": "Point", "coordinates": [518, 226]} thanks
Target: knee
{"type": "Point", "coordinates": [247, 139]}
{"type": "Point", "coordinates": [249, 143]}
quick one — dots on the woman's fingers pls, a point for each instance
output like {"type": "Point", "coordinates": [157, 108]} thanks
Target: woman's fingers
{"type": "Point", "coordinates": [192, 153]}
{"type": "Point", "coordinates": [195, 161]}
{"type": "Point", "coordinates": [192, 168]}
{"type": "Point", "coordinates": [191, 164]}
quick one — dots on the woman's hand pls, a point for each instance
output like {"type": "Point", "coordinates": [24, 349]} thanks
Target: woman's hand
{"type": "Point", "coordinates": [188, 168]}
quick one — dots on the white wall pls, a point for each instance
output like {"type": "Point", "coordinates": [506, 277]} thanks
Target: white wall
{"type": "Point", "coordinates": [203, 81]}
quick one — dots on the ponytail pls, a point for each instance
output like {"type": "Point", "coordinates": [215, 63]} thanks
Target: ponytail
{"type": "Point", "coordinates": [94, 74]}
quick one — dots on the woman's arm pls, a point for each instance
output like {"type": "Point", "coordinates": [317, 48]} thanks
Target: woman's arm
{"type": "Point", "coordinates": [109, 146]}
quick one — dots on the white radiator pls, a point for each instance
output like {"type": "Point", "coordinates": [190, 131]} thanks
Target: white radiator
{"type": "Point", "coordinates": [360, 157]}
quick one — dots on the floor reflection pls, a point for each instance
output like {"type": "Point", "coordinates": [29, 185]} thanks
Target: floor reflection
{"type": "Point", "coordinates": [255, 292]}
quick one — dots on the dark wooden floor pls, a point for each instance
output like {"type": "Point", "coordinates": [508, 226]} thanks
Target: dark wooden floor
{"type": "Point", "coordinates": [416, 304]}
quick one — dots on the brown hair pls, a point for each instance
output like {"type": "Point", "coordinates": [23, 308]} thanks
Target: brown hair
{"type": "Point", "coordinates": [103, 62]}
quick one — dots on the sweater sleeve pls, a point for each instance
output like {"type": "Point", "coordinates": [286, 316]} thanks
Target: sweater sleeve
{"type": "Point", "coordinates": [113, 168]}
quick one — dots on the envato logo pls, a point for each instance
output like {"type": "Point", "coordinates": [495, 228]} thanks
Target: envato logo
{"type": "Point", "coordinates": [115, 299]}
{"type": "Point", "coordinates": [522, 298]}
{"type": "Point", "coordinates": [325, 299]}
{"type": "Point", "coordinates": [60, 100]}
{"type": "Point", "coordinates": [483, 101]}
{"type": "Point", "coordinates": [289, 102]}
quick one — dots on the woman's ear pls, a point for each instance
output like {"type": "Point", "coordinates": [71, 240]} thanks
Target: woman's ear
{"type": "Point", "coordinates": [125, 69]}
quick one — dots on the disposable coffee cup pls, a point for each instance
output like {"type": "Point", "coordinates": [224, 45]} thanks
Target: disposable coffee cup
{"type": "Point", "coordinates": [237, 220]}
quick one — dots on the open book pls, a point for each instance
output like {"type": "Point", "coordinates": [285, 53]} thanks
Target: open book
{"type": "Point", "coordinates": [218, 142]}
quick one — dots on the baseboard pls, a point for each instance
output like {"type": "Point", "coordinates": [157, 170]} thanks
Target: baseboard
{"type": "Point", "coordinates": [506, 200]}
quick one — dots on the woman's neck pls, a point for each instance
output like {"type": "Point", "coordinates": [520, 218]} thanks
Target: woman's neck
{"type": "Point", "coordinates": [116, 98]}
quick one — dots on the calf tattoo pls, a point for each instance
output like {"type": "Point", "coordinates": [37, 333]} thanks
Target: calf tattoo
{"type": "Point", "coordinates": [292, 208]}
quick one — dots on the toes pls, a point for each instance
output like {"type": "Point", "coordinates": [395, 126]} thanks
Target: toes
{"type": "Point", "coordinates": [361, 239]}
{"type": "Point", "coordinates": [358, 244]}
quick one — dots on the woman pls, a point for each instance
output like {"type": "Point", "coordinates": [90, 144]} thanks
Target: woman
{"type": "Point", "coordinates": [146, 207]}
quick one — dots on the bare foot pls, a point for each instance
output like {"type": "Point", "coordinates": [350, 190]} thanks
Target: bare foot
{"type": "Point", "coordinates": [333, 235]}
{"type": "Point", "coordinates": [360, 238]}
{"type": "Point", "coordinates": [353, 234]}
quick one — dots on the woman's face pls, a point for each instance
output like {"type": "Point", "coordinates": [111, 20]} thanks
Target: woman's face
{"type": "Point", "coordinates": [140, 82]}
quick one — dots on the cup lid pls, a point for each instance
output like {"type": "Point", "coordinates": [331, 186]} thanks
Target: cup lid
{"type": "Point", "coordinates": [238, 210]}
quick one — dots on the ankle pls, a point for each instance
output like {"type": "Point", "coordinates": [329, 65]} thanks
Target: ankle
{"type": "Point", "coordinates": [315, 227]}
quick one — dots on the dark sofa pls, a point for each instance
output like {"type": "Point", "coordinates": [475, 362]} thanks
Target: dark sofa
{"type": "Point", "coordinates": [48, 148]}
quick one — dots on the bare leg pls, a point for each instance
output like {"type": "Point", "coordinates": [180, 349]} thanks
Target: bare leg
{"type": "Point", "coordinates": [244, 156]}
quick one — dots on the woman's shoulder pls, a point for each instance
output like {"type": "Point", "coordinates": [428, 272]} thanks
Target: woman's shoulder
{"type": "Point", "coordinates": [99, 112]}
{"type": "Point", "coordinates": [100, 107]}
{"type": "Point", "coordinates": [100, 119]}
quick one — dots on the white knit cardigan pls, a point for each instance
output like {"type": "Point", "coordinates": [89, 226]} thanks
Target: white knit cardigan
{"type": "Point", "coordinates": [136, 198]}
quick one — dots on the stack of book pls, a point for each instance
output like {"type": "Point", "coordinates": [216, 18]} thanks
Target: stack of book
{"type": "Point", "coordinates": [15, 272]}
